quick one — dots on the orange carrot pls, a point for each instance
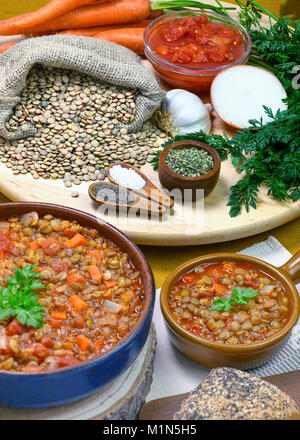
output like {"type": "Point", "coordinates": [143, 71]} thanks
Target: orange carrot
{"type": "Point", "coordinates": [95, 253]}
{"type": "Point", "coordinates": [55, 8]}
{"type": "Point", "coordinates": [114, 12]}
{"type": "Point", "coordinates": [69, 232]}
{"type": "Point", "coordinates": [6, 46]}
{"type": "Point", "coordinates": [90, 32]}
{"type": "Point", "coordinates": [31, 369]}
{"type": "Point", "coordinates": [155, 14]}
{"type": "Point", "coordinates": [77, 240]}
{"type": "Point", "coordinates": [132, 38]}
{"type": "Point", "coordinates": [99, 345]}
{"type": "Point", "coordinates": [74, 278]}
{"type": "Point", "coordinates": [34, 245]}
{"type": "Point", "coordinates": [78, 303]}
{"type": "Point", "coordinates": [189, 278]}
{"type": "Point", "coordinates": [56, 314]}
{"type": "Point", "coordinates": [219, 288]}
{"type": "Point", "coordinates": [83, 342]}
{"type": "Point", "coordinates": [95, 273]}
{"type": "Point", "coordinates": [109, 283]}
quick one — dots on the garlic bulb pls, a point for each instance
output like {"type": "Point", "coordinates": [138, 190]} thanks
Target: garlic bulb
{"type": "Point", "coordinates": [183, 112]}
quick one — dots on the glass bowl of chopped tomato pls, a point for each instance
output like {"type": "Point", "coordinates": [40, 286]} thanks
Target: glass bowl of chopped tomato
{"type": "Point", "coordinates": [188, 49]}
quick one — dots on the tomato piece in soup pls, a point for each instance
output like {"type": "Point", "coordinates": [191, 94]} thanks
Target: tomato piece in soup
{"type": "Point", "coordinates": [6, 244]}
{"type": "Point", "coordinates": [51, 247]}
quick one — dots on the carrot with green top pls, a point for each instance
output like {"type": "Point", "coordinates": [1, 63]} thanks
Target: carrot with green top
{"type": "Point", "coordinates": [24, 23]}
{"type": "Point", "coordinates": [77, 240]}
{"type": "Point", "coordinates": [90, 32]}
{"type": "Point", "coordinates": [114, 12]}
{"type": "Point", "coordinates": [78, 303]}
{"type": "Point", "coordinates": [132, 38]}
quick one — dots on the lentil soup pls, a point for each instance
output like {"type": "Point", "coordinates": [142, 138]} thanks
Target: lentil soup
{"type": "Point", "coordinates": [195, 300]}
{"type": "Point", "coordinates": [92, 294]}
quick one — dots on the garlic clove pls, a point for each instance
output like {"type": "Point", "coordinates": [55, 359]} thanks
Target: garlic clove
{"type": "Point", "coordinates": [187, 112]}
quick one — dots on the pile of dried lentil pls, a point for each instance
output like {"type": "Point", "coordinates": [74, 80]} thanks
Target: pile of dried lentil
{"type": "Point", "coordinates": [77, 119]}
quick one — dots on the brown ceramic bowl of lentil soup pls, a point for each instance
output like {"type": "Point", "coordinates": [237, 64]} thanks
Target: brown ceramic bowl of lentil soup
{"type": "Point", "coordinates": [97, 298]}
{"type": "Point", "coordinates": [172, 180]}
{"type": "Point", "coordinates": [230, 310]}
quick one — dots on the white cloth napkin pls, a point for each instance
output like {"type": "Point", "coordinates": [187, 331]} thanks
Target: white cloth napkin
{"type": "Point", "coordinates": [174, 373]}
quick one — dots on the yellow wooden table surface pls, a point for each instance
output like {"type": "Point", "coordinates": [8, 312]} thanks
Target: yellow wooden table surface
{"type": "Point", "coordinates": [164, 259]}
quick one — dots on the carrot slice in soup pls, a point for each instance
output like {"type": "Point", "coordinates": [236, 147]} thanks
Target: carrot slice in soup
{"type": "Point", "coordinates": [83, 342]}
{"type": "Point", "coordinates": [75, 278]}
{"type": "Point", "coordinates": [95, 273]}
{"type": "Point", "coordinates": [78, 303]}
{"type": "Point", "coordinates": [77, 240]}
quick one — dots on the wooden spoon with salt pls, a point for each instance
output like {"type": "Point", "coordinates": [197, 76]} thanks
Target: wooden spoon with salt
{"type": "Point", "coordinates": [149, 190]}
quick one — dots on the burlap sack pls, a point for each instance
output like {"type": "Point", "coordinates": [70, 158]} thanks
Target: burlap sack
{"type": "Point", "coordinates": [106, 61]}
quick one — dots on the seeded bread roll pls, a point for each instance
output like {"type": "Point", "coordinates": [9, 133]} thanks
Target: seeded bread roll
{"type": "Point", "coordinates": [229, 394]}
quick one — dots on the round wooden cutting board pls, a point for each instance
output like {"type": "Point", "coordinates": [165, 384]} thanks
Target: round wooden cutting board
{"type": "Point", "coordinates": [203, 222]}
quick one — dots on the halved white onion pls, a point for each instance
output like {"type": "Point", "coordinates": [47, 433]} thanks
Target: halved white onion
{"type": "Point", "coordinates": [239, 93]}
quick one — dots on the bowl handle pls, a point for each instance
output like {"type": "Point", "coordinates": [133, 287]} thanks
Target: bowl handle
{"type": "Point", "coordinates": [292, 267]}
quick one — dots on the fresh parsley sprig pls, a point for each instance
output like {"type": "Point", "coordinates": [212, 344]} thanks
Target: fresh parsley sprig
{"type": "Point", "coordinates": [19, 299]}
{"type": "Point", "coordinates": [239, 296]}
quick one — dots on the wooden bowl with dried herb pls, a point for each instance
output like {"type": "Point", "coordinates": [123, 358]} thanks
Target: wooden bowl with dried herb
{"type": "Point", "coordinates": [189, 165]}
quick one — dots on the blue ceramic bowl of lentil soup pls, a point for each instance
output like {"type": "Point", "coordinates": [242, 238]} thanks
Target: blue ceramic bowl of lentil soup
{"type": "Point", "coordinates": [35, 386]}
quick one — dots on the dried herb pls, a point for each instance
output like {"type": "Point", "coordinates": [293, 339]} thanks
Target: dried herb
{"type": "Point", "coordinates": [190, 161]}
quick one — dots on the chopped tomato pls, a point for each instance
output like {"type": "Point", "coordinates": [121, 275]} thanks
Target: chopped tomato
{"type": "Point", "coordinates": [34, 245]}
{"type": "Point", "coordinates": [197, 42]}
{"type": "Point", "coordinates": [252, 283]}
{"type": "Point", "coordinates": [40, 351]}
{"type": "Point", "coordinates": [51, 247]}
{"type": "Point", "coordinates": [47, 341]}
{"type": "Point", "coordinates": [78, 322]}
{"type": "Point", "coordinates": [99, 345]}
{"type": "Point", "coordinates": [189, 278]}
{"type": "Point", "coordinates": [59, 265]}
{"type": "Point", "coordinates": [16, 328]}
{"type": "Point", "coordinates": [66, 361]}
{"type": "Point", "coordinates": [6, 244]}
{"type": "Point", "coordinates": [68, 232]}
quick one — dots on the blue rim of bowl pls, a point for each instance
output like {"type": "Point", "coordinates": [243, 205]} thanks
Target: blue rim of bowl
{"type": "Point", "coordinates": [121, 344]}
{"type": "Point", "coordinates": [192, 71]}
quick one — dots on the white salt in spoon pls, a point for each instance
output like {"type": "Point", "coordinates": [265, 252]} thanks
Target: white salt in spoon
{"type": "Point", "coordinates": [131, 178]}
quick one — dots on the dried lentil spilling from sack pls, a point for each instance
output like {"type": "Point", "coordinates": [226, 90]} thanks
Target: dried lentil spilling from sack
{"type": "Point", "coordinates": [77, 118]}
